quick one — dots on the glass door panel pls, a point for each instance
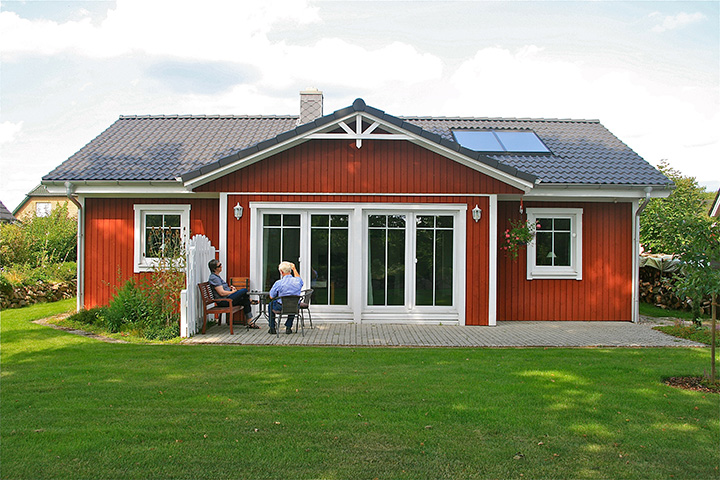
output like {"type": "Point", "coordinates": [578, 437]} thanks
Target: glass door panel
{"type": "Point", "coordinates": [281, 241]}
{"type": "Point", "coordinates": [386, 259]}
{"type": "Point", "coordinates": [329, 258]}
{"type": "Point", "coordinates": [434, 245]}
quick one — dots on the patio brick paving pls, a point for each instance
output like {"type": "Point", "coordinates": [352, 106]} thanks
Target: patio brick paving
{"type": "Point", "coordinates": [505, 334]}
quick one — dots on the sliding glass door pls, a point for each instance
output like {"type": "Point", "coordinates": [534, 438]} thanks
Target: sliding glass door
{"type": "Point", "coordinates": [410, 260]}
{"type": "Point", "coordinates": [366, 261]}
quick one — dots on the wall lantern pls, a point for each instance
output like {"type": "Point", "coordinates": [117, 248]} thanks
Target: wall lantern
{"type": "Point", "coordinates": [238, 211]}
{"type": "Point", "coordinates": [476, 213]}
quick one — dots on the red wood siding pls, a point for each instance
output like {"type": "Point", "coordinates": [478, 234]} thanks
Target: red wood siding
{"type": "Point", "coordinates": [335, 166]}
{"type": "Point", "coordinates": [332, 166]}
{"type": "Point", "coordinates": [605, 291]}
{"type": "Point", "coordinates": [477, 270]}
{"type": "Point", "coordinates": [109, 237]}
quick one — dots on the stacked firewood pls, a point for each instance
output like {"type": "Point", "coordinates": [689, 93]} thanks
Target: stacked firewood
{"type": "Point", "coordinates": [658, 289]}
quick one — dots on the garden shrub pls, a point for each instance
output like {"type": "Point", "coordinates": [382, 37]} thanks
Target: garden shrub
{"type": "Point", "coordinates": [143, 308]}
{"type": "Point", "coordinates": [93, 316]}
{"type": "Point", "coordinates": [23, 274]}
{"type": "Point", "coordinates": [40, 241]}
{"type": "Point", "coordinates": [128, 306]}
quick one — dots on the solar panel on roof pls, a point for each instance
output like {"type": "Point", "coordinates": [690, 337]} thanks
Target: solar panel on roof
{"type": "Point", "coordinates": [478, 140]}
{"type": "Point", "coordinates": [514, 141]}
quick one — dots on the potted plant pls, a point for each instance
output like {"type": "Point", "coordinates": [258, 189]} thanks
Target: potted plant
{"type": "Point", "coordinates": [518, 236]}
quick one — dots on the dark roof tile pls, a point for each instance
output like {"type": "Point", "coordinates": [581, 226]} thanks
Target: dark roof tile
{"type": "Point", "coordinates": [169, 146]}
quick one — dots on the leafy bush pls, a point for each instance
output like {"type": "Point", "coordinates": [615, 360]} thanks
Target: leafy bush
{"type": "Point", "coordinates": [143, 308]}
{"type": "Point", "coordinates": [129, 306]}
{"type": "Point", "coordinates": [39, 241]}
{"type": "Point", "coordinates": [23, 274]}
{"type": "Point", "coordinates": [160, 332]}
{"type": "Point", "coordinates": [94, 316]}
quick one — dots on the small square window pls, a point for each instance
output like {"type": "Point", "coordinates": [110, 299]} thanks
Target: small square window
{"type": "Point", "coordinates": [556, 250]}
{"type": "Point", "coordinates": [159, 230]}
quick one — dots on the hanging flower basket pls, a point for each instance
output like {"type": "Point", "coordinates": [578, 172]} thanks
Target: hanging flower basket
{"type": "Point", "coordinates": [518, 236]}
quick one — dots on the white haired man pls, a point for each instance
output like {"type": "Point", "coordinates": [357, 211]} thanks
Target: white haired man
{"type": "Point", "coordinates": [290, 283]}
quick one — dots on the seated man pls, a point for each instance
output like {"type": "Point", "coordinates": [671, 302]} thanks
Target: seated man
{"type": "Point", "coordinates": [231, 294]}
{"type": "Point", "coordinates": [290, 283]}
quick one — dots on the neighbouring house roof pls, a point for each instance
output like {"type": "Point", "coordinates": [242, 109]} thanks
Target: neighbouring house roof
{"type": "Point", "coordinates": [5, 215]}
{"type": "Point", "coordinates": [163, 148]}
{"type": "Point", "coordinates": [36, 193]}
{"type": "Point", "coordinates": [715, 209]}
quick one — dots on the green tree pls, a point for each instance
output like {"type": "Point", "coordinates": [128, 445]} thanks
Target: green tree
{"type": "Point", "coordinates": [659, 232]}
{"type": "Point", "coordinates": [40, 241]}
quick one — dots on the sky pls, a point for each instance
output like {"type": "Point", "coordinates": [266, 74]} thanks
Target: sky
{"type": "Point", "coordinates": [649, 71]}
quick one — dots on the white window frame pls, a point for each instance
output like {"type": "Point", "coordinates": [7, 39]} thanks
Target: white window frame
{"type": "Point", "coordinates": [572, 272]}
{"type": "Point", "coordinates": [140, 262]}
{"type": "Point", "coordinates": [43, 209]}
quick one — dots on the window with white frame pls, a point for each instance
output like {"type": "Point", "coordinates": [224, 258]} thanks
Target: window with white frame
{"type": "Point", "coordinates": [160, 231]}
{"type": "Point", "coordinates": [43, 209]}
{"type": "Point", "coordinates": [556, 250]}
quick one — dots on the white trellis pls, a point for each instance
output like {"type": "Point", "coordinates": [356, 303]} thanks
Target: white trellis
{"type": "Point", "coordinates": [200, 252]}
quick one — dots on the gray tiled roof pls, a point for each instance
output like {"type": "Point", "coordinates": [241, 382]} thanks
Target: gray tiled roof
{"type": "Point", "coordinates": [166, 147]}
{"type": "Point", "coordinates": [583, 151]}
{"type": "Point", "coordinates": [5, 215]}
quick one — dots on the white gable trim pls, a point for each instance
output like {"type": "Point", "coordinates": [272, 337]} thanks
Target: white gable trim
{"type": "Point", "coordinates": [396, 133]}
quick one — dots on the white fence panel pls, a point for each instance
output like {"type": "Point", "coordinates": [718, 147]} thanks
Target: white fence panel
{"type": "Point", "coordinates": [200, 252]}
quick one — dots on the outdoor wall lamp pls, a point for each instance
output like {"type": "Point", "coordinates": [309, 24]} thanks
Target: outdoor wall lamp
{"type": "Point", "coordinates": [238, 211]}
{"type": "Point", "coordinates": [476, 213]}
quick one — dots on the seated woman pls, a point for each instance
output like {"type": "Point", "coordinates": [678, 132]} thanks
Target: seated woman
{"type": "Point", "coordinates": [221, 291]}
{"type": "Point", "coordinates": [290, 283]}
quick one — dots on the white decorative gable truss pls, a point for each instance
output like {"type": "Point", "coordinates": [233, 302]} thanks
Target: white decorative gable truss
{"type": "Point", "coordinates": [358, 134]}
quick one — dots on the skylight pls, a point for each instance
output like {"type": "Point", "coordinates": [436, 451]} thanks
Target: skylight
{"type": "Point", "coordinates": [513, 141]}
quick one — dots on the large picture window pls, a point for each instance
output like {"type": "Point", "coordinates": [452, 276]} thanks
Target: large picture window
{"type": "Point", "coordinates": [556, 251]}
{"type": "Point", "coordinates": [160, 231]}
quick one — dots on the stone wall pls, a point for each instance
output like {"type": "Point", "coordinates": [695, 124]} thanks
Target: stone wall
{"type": "Point", "coordinates": [38, 293]}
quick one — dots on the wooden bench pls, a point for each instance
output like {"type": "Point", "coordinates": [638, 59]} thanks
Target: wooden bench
{"type": "Point", "coordinates": [211, 308]}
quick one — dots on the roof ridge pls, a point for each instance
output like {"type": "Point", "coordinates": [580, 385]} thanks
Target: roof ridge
{"type": "Point", "coordinates": [201, 116]}
{"type": "Point", "coordinates": [507, 119]}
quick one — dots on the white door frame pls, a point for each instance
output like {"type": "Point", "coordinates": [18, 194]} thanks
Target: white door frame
{"type": "Point", "coordinates": [357, 310]}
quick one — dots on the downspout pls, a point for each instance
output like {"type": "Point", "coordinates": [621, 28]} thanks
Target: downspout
{"type": "Point", "coordinates": [70, 193]}
{"type": "Point", "coordinates": [636, 256]}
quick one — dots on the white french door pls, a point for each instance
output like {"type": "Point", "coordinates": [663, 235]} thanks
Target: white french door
{"type": "Point", "coordinates": [367, 262]}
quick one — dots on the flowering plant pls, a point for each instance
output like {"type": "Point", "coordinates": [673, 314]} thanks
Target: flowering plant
{"type": "Point", "coordinates": [517, 236]}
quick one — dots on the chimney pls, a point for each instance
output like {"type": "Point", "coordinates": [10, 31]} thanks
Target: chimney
{"type": "Point", "coordinates": [311, 105]}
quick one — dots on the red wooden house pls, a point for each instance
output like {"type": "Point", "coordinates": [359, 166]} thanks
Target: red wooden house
{"type": "Point", "coordinates": [391, 219]}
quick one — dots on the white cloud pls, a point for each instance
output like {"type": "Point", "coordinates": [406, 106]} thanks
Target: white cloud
{"type": "Point", "coordinates": [336, 62]}
{"type": "Point", "coordinates": [656, 122]}
{"type": "Point", "coordinates": [9, 131]}
{"type": "Point", "coordinates": [220, 30]}
{"type": "Point", "coordinates": [673, 22]}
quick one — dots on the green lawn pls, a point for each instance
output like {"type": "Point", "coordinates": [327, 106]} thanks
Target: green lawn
{"type": "Point", "coordinates": [652, 311]}
{"type": "Point", "coordinates": [73, 407]}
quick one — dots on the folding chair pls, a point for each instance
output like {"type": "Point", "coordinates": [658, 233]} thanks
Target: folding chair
{"type": "Point", "coordinates": [306, 298]}
{"type": "Point", "coordinates": [290, 306]}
